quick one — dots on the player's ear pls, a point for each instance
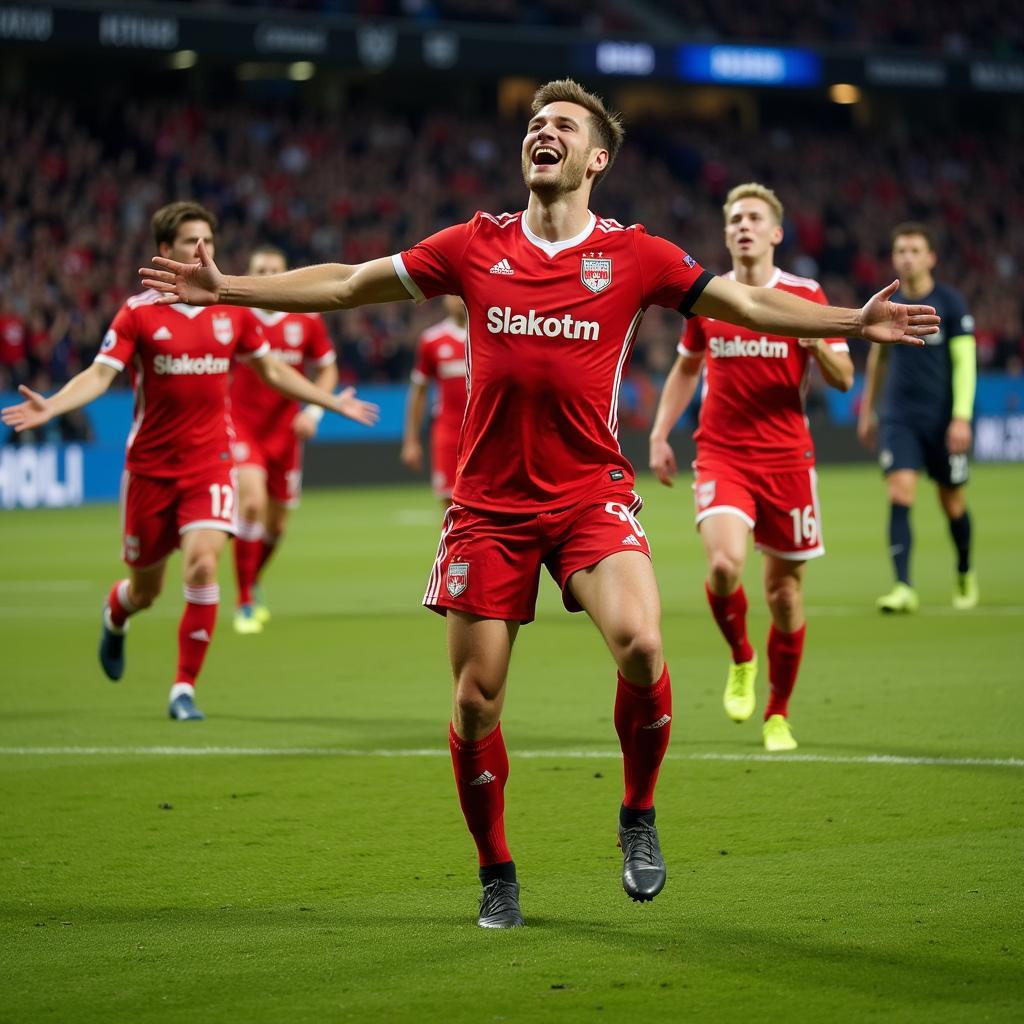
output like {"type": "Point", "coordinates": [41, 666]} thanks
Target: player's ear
{"type": "Point", "coordinates": [598, 160]}
{"type": "Point", "coordinates": [778, 234]}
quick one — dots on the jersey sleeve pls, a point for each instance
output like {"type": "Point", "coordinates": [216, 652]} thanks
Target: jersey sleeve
{"type": "Point", "coordinates": [319, 347]}
{"type": "Point", "coordinates": [425, 369]}
{"type": "Point", "coordinates": [836, 344]}
{"type": "Point", "coordinates": [694, 340]}
{"type": "Point", "coordinates": [251, 340]}
{"type": "Point", "coordinates": [433, 266]}
{"type": "Point", "coordinates": [118, 346]}
{"type": "Point", "coordinates": [960, 321]}
{"type": "Point", "coordinates": [672, 278]}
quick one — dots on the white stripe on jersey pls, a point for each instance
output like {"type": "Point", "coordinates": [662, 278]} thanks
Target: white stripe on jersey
{"type": "Point", "coordinates": [403, 275]}
{"type": "Point", "coordinates": [434, 583]}
{"type": "Point", "coordinates": [613, 412]}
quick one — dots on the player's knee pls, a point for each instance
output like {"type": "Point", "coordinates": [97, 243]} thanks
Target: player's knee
{"type": "Point", "coordinates": [724, 572]}
{"type": "Point", "coordinates": [784, 598]}
{"type": "Point", "coordinates": [251, 510]}
{"type": "Point", "coordinates": [640, 654]}
{"type": "Point", "coordinates": [201, 569]}
{"type": "Point", "coordinates": [475, 705]}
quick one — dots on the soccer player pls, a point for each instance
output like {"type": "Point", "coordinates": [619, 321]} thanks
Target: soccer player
{"type": "Point", "coordinates": [755, 458]}
{"type": "Point", "coordinates": [179, 483]}
{"type": "Point", "coordinates": [269, 430]}
{"type": "Point", "coordinates": [554, 296]}
{"type": "Point", "coordinates": [441, 359]}
{"type": "Point", "coordinates": [927, 403]}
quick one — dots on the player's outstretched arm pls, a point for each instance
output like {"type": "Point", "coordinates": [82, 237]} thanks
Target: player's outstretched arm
{"type": "Point", "coordinates": [412, 449]}
{"type": "Point", "coordinates": [292, 384]}
{"type": "Point", "coordinates": [307, 290]}
{"type": "Point", "coordinates": [79, 391]}
{"type": "Point", "coordinates": [680, 385]}
{"type": "Point", "coordinates": [777, 312]}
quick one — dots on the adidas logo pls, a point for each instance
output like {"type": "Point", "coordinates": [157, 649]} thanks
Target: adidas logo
{"type": "Point", "coordinates": [502, 267]}
{"type": "Point", "coordinates": [201, 635]}
{"type": "Point", "coordinates": [483, 778]}
{"type": "Point", "coordinates": [660, 723]}
{"type": "Point", "coordinates": [631, 540]}
{"type": "Point", "coordinates": [162, 334]}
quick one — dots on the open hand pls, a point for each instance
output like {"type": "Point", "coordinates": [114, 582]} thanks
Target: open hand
{"type": "Point", "coordinates": [958, 436]}
{"type": "Point", "coordinates": [894, 323]}
{"type": "Point", "coordinates": [412, 455]}
{"type": "Point", "coordinates": [197, 284]}
{"type": "Point", "coordinates": [356, 409]}
{"type": "Point", "coordinates": [663, 462]}
{"type": "Point", "coordinates": [26, 415]}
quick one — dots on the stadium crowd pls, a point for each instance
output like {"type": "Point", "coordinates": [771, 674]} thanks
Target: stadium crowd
{"type": "Point", "coordinates": [939, 28]}
{"type": "Point", "coordinates": [79, 183]}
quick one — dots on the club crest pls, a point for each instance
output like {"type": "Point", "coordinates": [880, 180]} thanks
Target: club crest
{"type": "Point", "coordinates": [223, 329]}
{"type": "Point", "coordinates": [458, 578]}
{"type": "Point", "coordinates": [705, 493]}
{"type": "Point", "coordinates": [596, 272]}
{"type": "Point", "coordinates": [293, 333]}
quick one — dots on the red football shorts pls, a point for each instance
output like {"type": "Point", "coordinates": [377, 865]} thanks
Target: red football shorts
{"type": "Point", "coordinates": [444, 447]}
{"type": "Point", "coordinates": [278, 456]}
{"type": "Point", "coordinates": [156, 511]}
{"type": "Point", "coordinates": [489, 564]}
{"type": "Point", "coordinates": [781, 508]}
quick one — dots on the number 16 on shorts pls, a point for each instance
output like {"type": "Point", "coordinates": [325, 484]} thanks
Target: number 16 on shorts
{"type": "Point", "coordinates": [805, 526]}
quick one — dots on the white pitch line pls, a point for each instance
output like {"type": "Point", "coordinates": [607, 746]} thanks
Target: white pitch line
{"type": "Point", "coordinates": [1010, 610]}
{"type": "Point", "coordinates": [574, 755]}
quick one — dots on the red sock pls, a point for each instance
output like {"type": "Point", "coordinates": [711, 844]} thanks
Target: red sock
{"type": "Point", "coordinates": [268, 545]}
{"type": "Point", "coordinates": [784, 653]}
{"type": "Point", "coordinates": [196, 629]}
{"type": "Point", "coordinates": [119, 605]}
{"type": "Point", "coordinates": [730, 613]}
{"type": "Point", "coordinates": [247, 558]}
{"type": "Point", "coordinates": [481, 770]}
{"type": "Point", "coordinates": [643, 720]}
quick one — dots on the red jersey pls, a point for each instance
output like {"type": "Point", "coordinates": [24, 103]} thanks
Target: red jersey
{"type": "Point", "coordinates": [180, 358]}
{"type": "Point", "coordinates": [295, 339]}
{"type": "Point", "coordinates": [441, 357]}
{"type": "Point", "coordinates": [12, 339]}
{"type": "Point", "coordinates": [754, 386]}
{"type": "Point", "coordinates": [551, 331]}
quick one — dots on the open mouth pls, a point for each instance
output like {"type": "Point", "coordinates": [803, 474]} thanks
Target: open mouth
{"type": "Point", "coordinates": [545, 156]}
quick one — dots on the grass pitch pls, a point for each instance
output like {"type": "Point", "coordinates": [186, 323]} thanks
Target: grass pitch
{"type": "Point", "coordinates": [301, 856]}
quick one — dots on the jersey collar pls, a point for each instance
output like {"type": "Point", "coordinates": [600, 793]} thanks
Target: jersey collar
{"type": "Point", "coordinates": [770, 283]}
{"type": "Point", "coordinates": [186, 310]}
{"type": "Point", "coordinates": [455, 329]}
{"type": "Point", "coordinates": [551, 249]}
{"type": "Point", "coordinates": [269, 317]}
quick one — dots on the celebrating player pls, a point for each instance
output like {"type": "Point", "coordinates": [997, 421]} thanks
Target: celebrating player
{"type": "Point", "coordinates": [755, 459]}
{"type": "Point", "coordinates": [441, 358]}
{"type": "Point", "coordinates": [270, 429]}
{"type": "Point", "coordinates": [554, 297]}
{"type": "Point", "coordinates": [179, 481]}
{"type": "Point", "coordinates": [927, 406]}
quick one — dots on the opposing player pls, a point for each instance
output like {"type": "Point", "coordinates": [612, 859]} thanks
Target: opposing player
{"type": "Point", "coordinates": [179, 483]}
{"type": "Point", "coordinates": [927, 404]}
{"type": "Point", "coordinates": [270, 429]}
{"type": "Point", "coordinates": [441, 360]}
{"type": "Point", "coordinates": [554, 296]}
{"type": "Point", "coordinates": [755, 459]}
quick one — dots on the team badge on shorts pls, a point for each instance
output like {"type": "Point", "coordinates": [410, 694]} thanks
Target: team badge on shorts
{"type": "Point", "coordinates": [293, 333]}
{"type": "Point", "coordinates": [458, 578]}
{"type": "Point", "coordinates": [131, 549]}
{"type": "Point", "coordinates": [223, 329]}
{"type": "Point", "coordinates": [705, 493]}
{"type": "Point", "coordinates": [596, 274]}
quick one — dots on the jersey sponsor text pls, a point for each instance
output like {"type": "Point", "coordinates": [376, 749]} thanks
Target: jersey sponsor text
{"type": "Point", "coordinates": [188, 366]}
{"type": "Point", "coordinates": [731, 348]}
{"type": "Point", "coordinates": [504, 321]}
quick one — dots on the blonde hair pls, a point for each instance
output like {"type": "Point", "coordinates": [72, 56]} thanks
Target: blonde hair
{"type": "Point", "coordinates": [605, 125]}
{"type": "Point", "coordinates": [754, 190]}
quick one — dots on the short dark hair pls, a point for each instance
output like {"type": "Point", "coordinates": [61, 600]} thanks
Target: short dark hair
{"type": "Point", "coordinates": [605, 124]}
{"type": "Point", "coordinates": [914, 227]}
{"type": "Point", "coordinates": [169, 218]}
{"type": "Point", "coordinates": [268, 249]}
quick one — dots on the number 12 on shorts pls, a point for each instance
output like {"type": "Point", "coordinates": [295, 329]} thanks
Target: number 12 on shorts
{"type": "Point", "coordinates": [805, 526]}
{"type": "Point", "coordinates": [222, 501]}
